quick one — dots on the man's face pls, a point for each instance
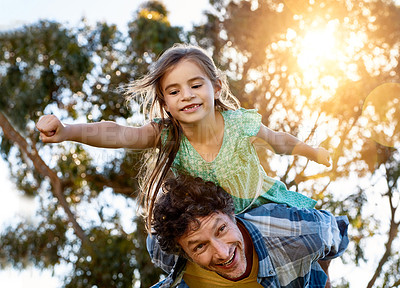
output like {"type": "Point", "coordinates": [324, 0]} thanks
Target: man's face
{"type": "Point", "coordinates": [217, 245]}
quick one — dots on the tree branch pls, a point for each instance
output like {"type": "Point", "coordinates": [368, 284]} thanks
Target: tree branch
{"type": "Point", "coordinates": [393, 230]}
{"type": "Point", "coordinates": [113, 184]}
{"type": "Point", "coordinates": [31, 152]}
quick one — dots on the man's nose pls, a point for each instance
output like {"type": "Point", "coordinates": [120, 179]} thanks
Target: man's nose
{"type": "Point", "coordinates": [221, 250]}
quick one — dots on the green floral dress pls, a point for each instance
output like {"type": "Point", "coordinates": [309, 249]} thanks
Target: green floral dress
{"type": "Point", "coordinates": [237, 168]}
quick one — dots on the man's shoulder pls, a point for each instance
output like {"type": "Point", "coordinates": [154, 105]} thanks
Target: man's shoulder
{"type": "Point", "coordinates": [283, 211]}
{"type": "Point", "coordinates": [278, 222]}
{"type": "Point", "coordinates": [274, 219]}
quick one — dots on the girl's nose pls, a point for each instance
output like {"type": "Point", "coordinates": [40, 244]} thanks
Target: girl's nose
{"type": "Point", "coordinates": [187, 94]}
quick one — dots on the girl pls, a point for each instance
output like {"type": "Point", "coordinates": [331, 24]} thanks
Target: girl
{"type": "Point", "coordinates": [198, 128]}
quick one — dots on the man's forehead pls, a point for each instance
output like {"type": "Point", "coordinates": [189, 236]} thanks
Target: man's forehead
{"type": "Point", "coordinates": [207, 222]}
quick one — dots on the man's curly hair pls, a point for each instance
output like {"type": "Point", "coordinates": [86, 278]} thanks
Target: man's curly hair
{"type": "Point", "coordinates": [184, 199]}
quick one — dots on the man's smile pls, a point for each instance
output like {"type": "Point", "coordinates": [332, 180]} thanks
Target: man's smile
{"type": "Point", "coordinates": [230, 260]}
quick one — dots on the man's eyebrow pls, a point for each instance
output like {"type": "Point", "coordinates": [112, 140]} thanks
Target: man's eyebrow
{"type": "Point", "coordinates": [216, 223]}
{"type": "Point", "coordinates": [190, 80]}
{"type": "Point", "coordinates": [193, 242]}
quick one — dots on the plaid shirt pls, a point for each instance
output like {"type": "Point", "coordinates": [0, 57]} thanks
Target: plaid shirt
{"type": "Point", "coordinates": [289, 241]}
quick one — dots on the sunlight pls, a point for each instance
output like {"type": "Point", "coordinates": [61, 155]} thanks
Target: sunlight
{"type": "Point", "coordinates": [298, 6]}
{"type": "Point", "coordinates": [317, 46]}
{"type": "Point", "coordinates": [323, 57]}
{"type": "Point", "coordinates": [381, 113]}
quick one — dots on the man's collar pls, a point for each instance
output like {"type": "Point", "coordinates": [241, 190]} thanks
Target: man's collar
{"type": "Point", "coordinates": [265, 266]}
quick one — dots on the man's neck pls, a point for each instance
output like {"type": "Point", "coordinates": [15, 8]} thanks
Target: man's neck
{"type": "Point", "coordinates": [248, 250]}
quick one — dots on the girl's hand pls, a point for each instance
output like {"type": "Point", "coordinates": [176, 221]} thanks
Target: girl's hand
{"type": "Point", "coordinates": [323, 156]}
{"type": "Point", "coordinates": [51, 129]}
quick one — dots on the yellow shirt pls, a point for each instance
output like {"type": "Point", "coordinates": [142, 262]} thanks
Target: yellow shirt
{"type": "Point", "coordinates": [197, 277]}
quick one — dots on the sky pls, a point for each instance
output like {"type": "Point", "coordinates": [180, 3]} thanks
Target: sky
{"type": "Point", "coordinates": [19, 12]}
{"type": "Point", "coordinates": [16, 13]}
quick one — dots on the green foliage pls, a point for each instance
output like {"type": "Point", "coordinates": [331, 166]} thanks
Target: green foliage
{"type": "Point", "coordinates": [104, 261]}
{"type": "Point", "coordinates": [264, 42]}
{"type": "Point", "coordinates": [76, 73]}
{"type": "Point", "coordinates": [151, 33]}
{"type": "Point", "coordinates": [114, 69]}
{"type": "Point", "coordinates": [39, 63]}
{"type": "Point", "coordinates": [149, 275]}
{"type": "Point", "coordinates": [28, 244]}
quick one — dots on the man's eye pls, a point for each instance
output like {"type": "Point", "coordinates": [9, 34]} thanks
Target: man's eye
{"type": "Point", "coordinates": [222, 228]}
{"type": "Point", "coordinates": [198, 247]}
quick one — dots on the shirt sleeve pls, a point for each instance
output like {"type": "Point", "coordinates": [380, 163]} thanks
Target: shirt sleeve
{"type": "Point", "coordinates": [250, 121]}
{"type": "Point", "coordinates": [160, 259]}
{"type": "Point", "coordinates": [342, 239]}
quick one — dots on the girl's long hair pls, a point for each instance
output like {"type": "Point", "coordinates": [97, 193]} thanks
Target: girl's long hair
{"type": "Point", "coordinates": [148, 92]}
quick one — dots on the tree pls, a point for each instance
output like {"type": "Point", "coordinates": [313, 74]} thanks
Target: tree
{"type": "Point", "coordinates": [75, 73]}
{"type": "Point", "coordinates": [311, 68]}
{"type": "Point", "coordinates": [326, 71]}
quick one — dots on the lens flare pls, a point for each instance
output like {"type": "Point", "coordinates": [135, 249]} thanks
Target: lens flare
{"type": "Point", "coordinates": [297, 6]}
{"type": "Point", "coordinates": [381, 110]}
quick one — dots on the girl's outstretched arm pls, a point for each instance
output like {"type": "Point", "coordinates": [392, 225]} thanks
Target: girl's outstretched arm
{"type": "Point", "coordinates": [284, 143]}
{"type": "Point", "coordinates": [104, 134]}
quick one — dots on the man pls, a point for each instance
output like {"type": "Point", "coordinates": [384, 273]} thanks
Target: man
{"type": "Point", "coordinates": [268, 246]}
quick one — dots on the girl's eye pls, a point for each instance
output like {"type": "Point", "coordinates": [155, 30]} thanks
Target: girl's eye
{"type": "Point", "coordinates": [173, 92]}
{"type": "Point", "coordinates": [196, 86]}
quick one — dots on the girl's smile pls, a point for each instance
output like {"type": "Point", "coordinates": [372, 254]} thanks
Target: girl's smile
{"type": "Point", "coordinates": [191, 107]}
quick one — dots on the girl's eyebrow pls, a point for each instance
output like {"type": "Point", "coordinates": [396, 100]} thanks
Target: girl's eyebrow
{"type": "Point", "coordinates": [190, 80]}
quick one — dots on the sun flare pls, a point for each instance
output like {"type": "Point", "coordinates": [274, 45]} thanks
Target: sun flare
{"type": "Point", "coordinates": [319, 56]}
{"type": "Point", "coordinates": [317, 46]}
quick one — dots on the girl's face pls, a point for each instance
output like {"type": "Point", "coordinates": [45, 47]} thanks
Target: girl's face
{"type": "Point", "coordinates": [188, 93]}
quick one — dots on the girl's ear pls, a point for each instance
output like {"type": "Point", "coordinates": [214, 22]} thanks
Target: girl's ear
{"type": "Point", "coordinates": [166, 108]}
{"type": "Point", "coordinates": [217, 89]}
{"type": "Point", "coordinates": [163, 104]}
